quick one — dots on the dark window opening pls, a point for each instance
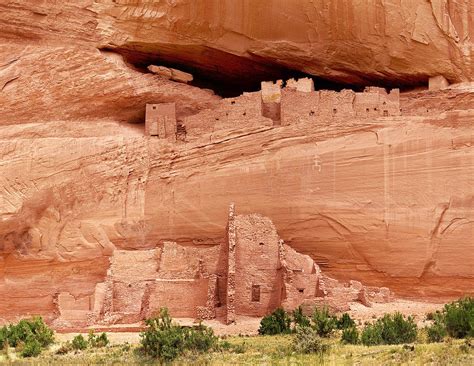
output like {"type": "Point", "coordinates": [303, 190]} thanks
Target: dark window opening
{"type": "Point", "coordinates": [334, 111]}
{"type": "Point", "coordinates": [301, 290]}
{"type": "Point", "coordinates": [261, 243]}
{"type": "Point", "coordinates": [385, 113]}
{"type": "Point", "coordinates": [245, 113]}
{"type": "Point", "coordinates": [154, 107]}
{"type": "Point", "coordinates": [232, 102]}
{"type": "Point", "coordinates": [375, 109]}
{"type": "Point", "coordinates": [255, 293]}
{"type": "Point", "coordinates": [311, 113]}
{"type": "Point", "coordinates": [367, 110]}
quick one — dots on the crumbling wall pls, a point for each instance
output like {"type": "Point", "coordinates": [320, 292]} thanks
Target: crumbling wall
{"type": "Point", "coordinates": [271, 101]}
{"type": "Point", "coordinates": [160, 121]}
{"type": "Point", "coordinates": [241, 112]}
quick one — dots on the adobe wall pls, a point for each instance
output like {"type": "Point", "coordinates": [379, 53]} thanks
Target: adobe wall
{"type": "Point", "coordinates": [232, 113]}
{"type": "Point", "coordinates": [182, 297]}
{"type": "Point", "coordinates": [271, 101]}
{"type": "Point", "coordinates": [258, 277]}
{"type": "Point", "coordinates": [160, 120]}
{"type": "Point", "coordinates": [230, 302]}
{"type": "Point", "coordinates": [300, 278]}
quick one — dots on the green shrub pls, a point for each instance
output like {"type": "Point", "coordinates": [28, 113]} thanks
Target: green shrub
{"type": "Point", "coordinates": [79, 342]}
{"type": "Point", "coordinates": [323, 322]}
{"type": "Point", "coordinates": [29, 336]}
{"type": "Point", "coordinates": [391, 329]}
{"type": "Point", "coordinates": [33, 328]}
{"type": "Point", "coordinates": [350, 335]}
{"type": "Point", "coordinates": [277, 322]}
{"type": "Point", "coordinates": [200, 339]}
{"type": "Point", "coordinates": [165, 340]}
{"type": "Point", "coordinates": [345, 322]}
{"type": "Point", "coordinates": [458, 318]}
{"type": "Point", "coordinates": [436, 332]}
{"type": "Point", "coordinates": [397, 330]}
{"type": "Point", "coordinates": [97, 341]}
{"type": "Point", "coordinates": [372, 335]}
{"type": "Point", "coordinates": [299, 319]}
{"type": "Point", "coordinates": [31, 348]}
{"type": "Point", "coordinates": [307, 340]}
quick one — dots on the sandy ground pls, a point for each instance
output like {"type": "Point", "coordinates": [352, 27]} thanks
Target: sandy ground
{"type": "Point", "coordinates": [249, 326]}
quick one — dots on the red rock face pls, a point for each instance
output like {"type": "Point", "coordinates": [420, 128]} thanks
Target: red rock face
{"type": "Point", "coordinates": [381, 198]}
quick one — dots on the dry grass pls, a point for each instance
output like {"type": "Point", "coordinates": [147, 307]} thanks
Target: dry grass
{"type": "Point", "coordinates": [270, 350]}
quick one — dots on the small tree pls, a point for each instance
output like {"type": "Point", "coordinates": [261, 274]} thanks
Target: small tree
{"type": "Point", "coordinates": [299, 319]}
{"type": "Point", "coordinates": [350, 335]}
{"type": "Point", "coordinates": [323, 322]}
{"type": "Point", "coordinates": [277, 322]}
{"type": "Point", "coordinates": [345, 321]}
{"type": "Point", "coordinates": [79, 343]}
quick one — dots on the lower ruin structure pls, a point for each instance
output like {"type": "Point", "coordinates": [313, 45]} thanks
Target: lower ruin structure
{"type": "Point", "coordinates": [251, 274]}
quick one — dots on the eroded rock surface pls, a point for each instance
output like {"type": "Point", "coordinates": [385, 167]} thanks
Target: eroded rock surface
{"type": "Point", "coordinates": [385, 199]}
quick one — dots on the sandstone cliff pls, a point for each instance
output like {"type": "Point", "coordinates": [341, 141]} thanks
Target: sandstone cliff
{"type": "Point", "coordinates": [388, 201]}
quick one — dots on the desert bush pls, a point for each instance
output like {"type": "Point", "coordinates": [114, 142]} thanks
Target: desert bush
{"type": "Point", "coordinates": [436, 332]}
{"type": "Point", "coordinates": [307, 340]}
{"type": "Point", "coordinates": [98, 341]}
{"type": "Point", "coordinates": [31, 348]}
{"type": "Point", "coordinates": [350, 335]}
{"type": "Point", "coordinates": [391, 329]}
{"type": "Point", "coordinates": [345, 322]}
{"type": "Point", "coordinates": [323, 322]}
{"type": "Point", "coordinates": [29, 336]}
{"type": "Point", "coordinates": [458, 318]}
{"type": "Point", "coordinates": [33, 328]}
{"type": "Point", "coordinates": [299, 319]}
{"type": "Point", "coordinates": [371, 335]}
{"type": "Point", "coordinates": [79, 343]}
{"type": "Point", "coordinates": [166, 340]}
{"type": "Point", "coordinates": [200, 339]}
{"type": "Point", "coordinates": [278, 322]}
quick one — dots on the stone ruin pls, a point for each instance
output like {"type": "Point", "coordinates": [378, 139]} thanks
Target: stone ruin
{"type": "Point", "coordinates": [251, 274]}
{"type": "Point", "coordinates": [276, 105]}
{"type": "Point", "coordinates": [160, 120]}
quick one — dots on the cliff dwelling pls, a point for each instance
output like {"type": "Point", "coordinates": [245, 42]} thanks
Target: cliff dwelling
{"type": "Point", "coordinates": [296, 103]}
{"type": "Point", "coordinates": [251, 274]}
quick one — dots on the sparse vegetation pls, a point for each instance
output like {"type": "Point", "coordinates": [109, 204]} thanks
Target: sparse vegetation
{"type": "Point", "coordinates": [79, 343]}
{"type": "Point", "coordinates": [301, 342]}
{"type": "Point", "coordinates": [278, 322]}
{"type": "Point", "coordinates": [350, 335]}
{"type": "Point", "coordinates": [307, 340]}
{"type": "Point", "coordinates": [97, 341]}
{"type": "Point", "coordinates": [322, 322]}
{"type": "Point", "coordinates": [165, 340]}
{"type": "Point", "coordinates": [458, 318]}
{"type": "Point", "coordinates": [345, 322]}
{"type": "Point", "coordinates": [299, 319]}
{"type": "Point", "coordinates": [391, 329]}
{"type": "Point", "coordinates": [28, 336]}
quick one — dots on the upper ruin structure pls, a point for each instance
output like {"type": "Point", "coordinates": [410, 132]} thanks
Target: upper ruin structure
{"type": "Point", "coordinates": [276, 105]}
